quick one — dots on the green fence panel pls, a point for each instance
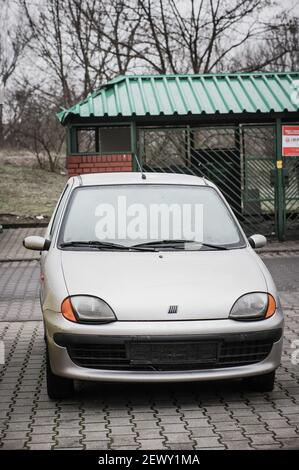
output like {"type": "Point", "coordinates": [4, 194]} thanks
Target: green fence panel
{"type": "Point", "coordinates": [240, 160]}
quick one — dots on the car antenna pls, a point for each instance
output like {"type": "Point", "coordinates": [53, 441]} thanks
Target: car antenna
{"type": "Point", "coordinates": [143, 175]}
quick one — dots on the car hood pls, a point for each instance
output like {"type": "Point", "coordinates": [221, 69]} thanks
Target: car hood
{"type": "Point", "coordinates": [142, 286]}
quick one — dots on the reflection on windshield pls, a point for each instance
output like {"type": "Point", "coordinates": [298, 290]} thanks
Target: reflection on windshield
{"type": "Point", "coordinates": [131, 215]}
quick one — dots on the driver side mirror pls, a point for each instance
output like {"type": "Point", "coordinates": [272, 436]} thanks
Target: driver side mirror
{"type": "Point", "coordinates": [257, 241]}
{"type": "Point", "coordinates": [36, 243]}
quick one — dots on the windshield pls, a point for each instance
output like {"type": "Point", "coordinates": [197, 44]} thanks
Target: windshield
{"type": "Point", "coordinates": [132, 215]}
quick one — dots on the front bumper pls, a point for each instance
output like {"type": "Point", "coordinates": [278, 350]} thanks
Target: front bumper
{"type": "Point", "coordinates": [61, 332]}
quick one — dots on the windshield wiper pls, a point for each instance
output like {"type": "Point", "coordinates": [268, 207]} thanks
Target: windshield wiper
{"type": "Point", "coordinates": [102, 245]}
{"type": "Point", "coordinates": [146, 246]}
{"type": "Point", "coordinates": [92, 244]}
{"type": "Point", "coordinates": [176, 242]}
{"type": "Point", "coordinates": [164, 242]}
{"type": "Point", "coordinates": [216, 247]}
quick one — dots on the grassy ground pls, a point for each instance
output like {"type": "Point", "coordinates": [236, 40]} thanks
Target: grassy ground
{"type": "Point", "coordinates": [28, 192]}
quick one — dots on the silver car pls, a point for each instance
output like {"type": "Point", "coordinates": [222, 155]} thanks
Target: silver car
{"type": "Point", "coordinates": [150, 278]}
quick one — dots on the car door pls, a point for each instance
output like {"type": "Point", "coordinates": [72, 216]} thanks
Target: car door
{"type": "Point", "coordinates": [51, 229]}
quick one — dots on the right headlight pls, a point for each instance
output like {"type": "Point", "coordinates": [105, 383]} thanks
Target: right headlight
{"type": "Point", "coordinates": [87, 309]}
{"type": "Point", "coordinates": [253, 306]}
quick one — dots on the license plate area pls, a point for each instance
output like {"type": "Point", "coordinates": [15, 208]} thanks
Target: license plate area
{"type": "Point", "coordinates": [172, 352]}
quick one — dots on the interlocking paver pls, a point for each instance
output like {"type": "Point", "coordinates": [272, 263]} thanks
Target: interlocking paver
{"type": "Point", "coordinates": [199, 422]}
{"type": "Point", "coordinates": [97, 445]}
{"type": "Point", "coordinates": [174, 428]}
{"type": "Point", "coordinates": [247, 420]}
{"type": "Point", "coordinates": [151, 444]}
{"type": "Point", "coordinates": [119, 421]}
{"type": "Point", "coordinates": [122, 430]}
{"type": "Point", "coordinates": [61, 432]}
{"type": "Point", "coordinates": [277, 423]}
{"type": "Point", "coordinates": [271, 446]}
{"type": "Point", "coordinates": [180, 437]}
{"type": "Point", "coordinates": [260, 439]}
{"type": "Point", "coordinates": [16, 426]}
{"type": "Point", "coordinates": [96, 435]}
{"type": "Point", "coordinates": [290, 443]}
{"type": "Point", "coordinates": [170, 420]}
{"type": "Point", "coordinates": [207, 442]}
{"type": "Point", "coordinates": [12, 444]}
{"type": "Point", "coordinates": [227, 436]}
{"type": "Point", "coordinates": [285, 432]}
{"type": "Point", "coordinates": [11, 247]}
{"type": "Point", "coordinates": [202, 432]}
{"type": "Point", "coordinates": [255, 429]}
{"type": "Point", "coordinates": [123, 440]}
{"type": "Point", "coordinates": [45, 429]}
{"type": "Point", "coordinates": [146, 424]}
{"type": "Point", "coordinates": [242, 444]}
{"type": "Point", "coordinates": [221, 417]}
{"type": "Point", "coordinates": [68, 442]}
{"type": "Point", "coordinates": [180, 416]}
{"type": "Point", "coordinates": [292, 419]}
{"type": "Point", "coordinates": [95, 427]}
{"type": "Point", "coordinates": [228, 426]}
{"type": "Point", "coordinates": [43, 446]}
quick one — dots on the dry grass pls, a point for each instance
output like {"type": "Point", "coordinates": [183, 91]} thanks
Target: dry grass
{"type": "Point", "coordinates": [28, 191]}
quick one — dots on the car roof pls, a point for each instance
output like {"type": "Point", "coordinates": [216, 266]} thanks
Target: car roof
{"type": "Point", "coordinates": [91, 179]}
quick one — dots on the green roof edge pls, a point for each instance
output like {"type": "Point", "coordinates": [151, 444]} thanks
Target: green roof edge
{"type": "Point", "coordinates": [62, 115]}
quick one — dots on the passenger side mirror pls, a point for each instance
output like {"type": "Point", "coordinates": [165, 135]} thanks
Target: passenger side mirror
{"type": "Point", "coordinates": [36, 243]}
{"type": "Point", "coordinates": [257, 241]}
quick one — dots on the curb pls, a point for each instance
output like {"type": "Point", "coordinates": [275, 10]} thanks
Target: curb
{"type": "Point", "coordinates": [23, 225]}
{"type": "Point", "coordinates": [13, 260]}
{"type": "Point", "coordinates": [278, 250]}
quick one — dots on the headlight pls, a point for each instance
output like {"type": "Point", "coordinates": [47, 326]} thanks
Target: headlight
{"type": "Point", "coordinates": [254, 306]}
{"type": "Point", "coordinates": [87, 309]}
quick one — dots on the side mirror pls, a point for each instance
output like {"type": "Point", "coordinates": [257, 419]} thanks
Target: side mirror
{"type": "Point", "coordinates": [36, 243]}
{"type": "Point", "coordinates": [257, 241]}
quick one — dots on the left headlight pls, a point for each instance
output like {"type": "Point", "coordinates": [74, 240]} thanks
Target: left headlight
{"type": "Point", "coordinates": [253, 306]}
{"type": "Point", "coordinates": [87, 309]}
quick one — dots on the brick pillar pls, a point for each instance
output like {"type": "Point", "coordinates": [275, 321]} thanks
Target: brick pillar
{"type": "Point", "coordinates": [78, 164]}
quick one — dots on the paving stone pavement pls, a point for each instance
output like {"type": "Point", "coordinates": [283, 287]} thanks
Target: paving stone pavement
{"type": "Point", "coordinates": [11, 247]}
{"type": "Point", "coordinates": [19, 286]}
{"type": "Point", "coordinates": [175, 416]}
{"type": "Point", "coordinates": [220, 415]}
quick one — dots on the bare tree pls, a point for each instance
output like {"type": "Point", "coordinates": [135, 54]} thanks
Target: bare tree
{"type": "Point", "coordinates": [48, 45]}
{"type": "Point", "coordinates": [34, 125]}
{"type": "Point", "coordinates": [115, 25]}
{"type": "Point", "coordinates": [277, 50]}
{"type": "Point", "coordinates": [14, 37]}
{"type": "Point", "coordinates": [201, 36]}
{"type": "Point", "coordinates": [77, 44]}
{"type": "Point", "coordinates": [84, 42]}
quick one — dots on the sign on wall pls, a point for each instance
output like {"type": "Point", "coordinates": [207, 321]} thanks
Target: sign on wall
{"type": "Point", "coordinates": [290, 141]}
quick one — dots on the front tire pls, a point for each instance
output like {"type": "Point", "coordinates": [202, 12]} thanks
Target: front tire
{"type": "Point", "coordinates": [57, 387]}
{"type": "Point", "coordinates": [261, 383]}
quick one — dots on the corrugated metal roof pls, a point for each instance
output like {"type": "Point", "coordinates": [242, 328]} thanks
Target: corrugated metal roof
{"type": "Point", "coordinates": [168, 95]}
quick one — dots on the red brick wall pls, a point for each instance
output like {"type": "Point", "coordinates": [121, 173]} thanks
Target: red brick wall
{"type": "Point", "coordinates": [78, 164]}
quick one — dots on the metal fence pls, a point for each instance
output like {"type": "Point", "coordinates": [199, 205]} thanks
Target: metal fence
{"type": "Point", "coordinates": [240, 160]}
{"type": "Point", "coordinates": [291, 169]}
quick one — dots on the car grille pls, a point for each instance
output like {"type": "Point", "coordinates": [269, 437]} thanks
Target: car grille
{"type": "Point", "coordinates": [171, 355]}
{"type": "Point", "coordinates": [243, 353]}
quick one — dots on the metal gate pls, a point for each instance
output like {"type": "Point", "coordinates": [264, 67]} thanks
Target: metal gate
{"type": "Point", "coordinates": [291, 195]}
{"type": "Point", "coordinates": [240, 160]}
{"type": "Point", "coordinates": [259, 179]}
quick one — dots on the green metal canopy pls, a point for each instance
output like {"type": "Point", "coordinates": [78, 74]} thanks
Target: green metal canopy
{"type": "Point", "coordinates": [170, 95]}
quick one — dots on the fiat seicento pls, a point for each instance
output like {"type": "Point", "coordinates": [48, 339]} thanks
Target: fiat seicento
{"type": "Point", "coordinates": [150, 278]}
